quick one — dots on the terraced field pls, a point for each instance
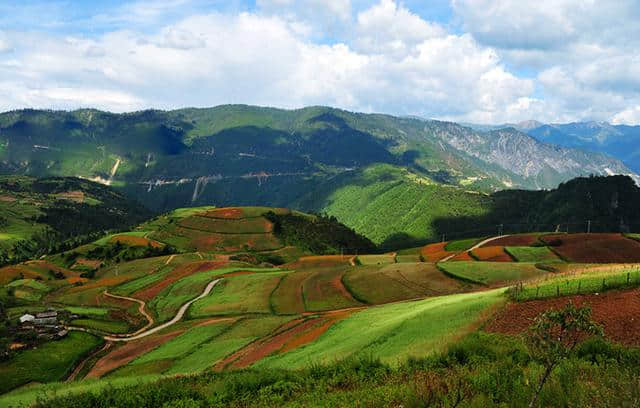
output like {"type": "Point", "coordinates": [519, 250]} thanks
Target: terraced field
{"type": "Point", "coordinates": [313, 310]}
{"type": "Point", "coordinates": [595, 248]}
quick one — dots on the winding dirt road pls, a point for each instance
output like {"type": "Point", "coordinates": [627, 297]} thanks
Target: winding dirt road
{"type": "Point", "coordinates": [141, 310]}
{"type": "Point", "coordinates": [476, 246]}
{"type": "Point", "coordinates": [178, 316]}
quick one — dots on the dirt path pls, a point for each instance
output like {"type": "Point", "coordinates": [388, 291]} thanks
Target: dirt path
{"type": "Point", "coordinates": [476, 246]}
{"type": "Point", "coordinates": [171, 322]}
{"type": "Point", "coordinates": [80, 366]}
{"type": "Point", "coordinates": [169, 259]}
{"type": "Point", "coordinates": [352, 261]}
{"type": "Point", "coordinates": [141, 310]}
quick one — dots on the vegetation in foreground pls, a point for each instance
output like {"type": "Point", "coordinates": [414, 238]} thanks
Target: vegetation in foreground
{"type": "Point", "coordinates": [483, 370]}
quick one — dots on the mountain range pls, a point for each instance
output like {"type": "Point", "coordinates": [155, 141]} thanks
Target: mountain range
{"type": "Point", "coordinates": [619, 141]}
{"type": "Point", "coordinates": [401, 172]}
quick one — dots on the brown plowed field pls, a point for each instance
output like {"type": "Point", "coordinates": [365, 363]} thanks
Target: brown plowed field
{"type": "Point", "coordinates": [135, 241]}
{"type": "Point", "coordinates": [127, 353]}
{"type": "Point", "coordinates": [492, 254]}
{"type": "Point", "coordinates": [224, 213]}
{"type": "Point", "coordinates": [617, 311]}
{"type": "Point", "coordinates": [514, 240]}
{"type": "Point", "coordinates": [175, 275]}
{"type": "Point", "coordinates": [463, 256]}
{"type": "Point", "coordinates": [595, 248]}
{"type": "Point", "coordinates": [319, 261]}
{"type": "Point", "coordinates": [435, 252]}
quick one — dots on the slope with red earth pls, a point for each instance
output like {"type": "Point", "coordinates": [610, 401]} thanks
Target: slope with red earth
{"type": "Point", "coordinates": [290, 336]}
{"type": "Point", "coordinates": [435, 252]}
{"type": "Point", "coordinates": [127, 353]}
{"type": "Point", "coordinates": [491, 254]}
{"type": "Point", "coordinates": [514, 240]}
{"type": "Point", "coordinates": [175, 275]}
{"type": "Point", "coordinates": [595, 248]}
{"type": "Point", "coordinates": [617, 311]}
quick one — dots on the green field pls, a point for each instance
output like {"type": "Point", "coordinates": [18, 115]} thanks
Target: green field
{"type": "Point", "coordinates": [393, 332]}
{"type": "Point", "coordinates": [287, 298]}
{"type": "Point", "coordinates": [587, 282]}
{"type": "Point", "coordinates": [532, 254]}
{"type": "Point", "coordinates": [487, 273]}
{"type": "Point", "coordinates": [49, 362]}
{"type": "Point", "coordinates": [87, 311]}
{"type": "Point", "coordinates": [375, 259]}
{"type": "Point", "coordinates": [105, 326]}
{"type": "Point", "coordinates": [461, 245]}
{"type": "Point", "coordinates": [323, 290]}
{"type": "Point", "coordinates": [185, 344]}
{"type": "Point", "coordinates": [393, 282]}
{"type": "Point", "coordinates": [238, 295]}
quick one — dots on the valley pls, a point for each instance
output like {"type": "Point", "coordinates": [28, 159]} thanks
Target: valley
{"type": "Point", "coordinates": [207, 293]}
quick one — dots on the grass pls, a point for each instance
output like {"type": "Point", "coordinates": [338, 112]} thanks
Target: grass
{"type": "Point", "coordinates": [390, 283]}
{"type": "Point", "coordinates": [287, 298]}
{"type": "Point", "coordinates": [137, 284]}
{"type": "Point", "coordinates": [46, 363]}
{"type": "Point", "coordinates": [106, 326]}
{"type": "Point", "coordinates": [28, 396]}
{"type": "Point", "coordinates": [487, 273]}
{"type": "Point", "coordinates": [532, 254]}
{"type": "Point", "coordinates": [323, 290]}
{"type": "Point", "coordinates": [393, 332]}
{"type": "Point", "coordinates": [376, 259]}
{"type": "Point", "coordinates": [184, 344]}
{"type": "Point", "coordinates": [167, 303]}
{"type": "Point", "coordinates": [461, 245]}
{"type": "Point", "coordinates": [87, 311]}
{"type": "Point", "coordinates": [238, 295]}
{"type": "Point", "coordinates": [587, 282]}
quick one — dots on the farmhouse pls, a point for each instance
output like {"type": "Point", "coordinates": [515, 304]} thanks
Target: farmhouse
{"type": "Point", "coordinates": [27, 318]}
{"type": "Point", "coordinates": [45, 318]}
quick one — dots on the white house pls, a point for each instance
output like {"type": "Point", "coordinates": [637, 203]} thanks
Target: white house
{"type": "Point", "coordinates": [25, 318]}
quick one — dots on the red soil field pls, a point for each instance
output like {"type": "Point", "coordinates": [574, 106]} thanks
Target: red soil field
{"type": "Point", "coordinates": [435, 252]}
{"type": "Point", "coordinates": [290, 336]}
{"type": "Point", "coordinates": [514, 240]}
{"type": "Point", "coordinates": [112, 281]}
{"type": "Point", "coordinates": [492, 254]}
{"type": "Point", "coordinates": [175, 275]}
{"type": "Point", "coordinates": [225, 213]}
{"type": "Point", "coordinates": [91, 263]}
{"type": "Point", "coordinates": [616, 311]}
{"type": "Point", "coordinates": [123, 355]}
{"type": "Point", "coordinates": [595, 248]}
{"type": "Point", "coordinates": [463, 256]}
{"type": "Point", "coordinates": [75, 279]}
{"type": "Point", "coordinates": [135, 241]}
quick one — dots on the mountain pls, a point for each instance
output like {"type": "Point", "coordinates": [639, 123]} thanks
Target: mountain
{"type": "Point", "coordinates": [620, 141]}
{"type": "Point", "coordinates": [39, 216]}
{"type": "Point", "coordinates": [350, 165]}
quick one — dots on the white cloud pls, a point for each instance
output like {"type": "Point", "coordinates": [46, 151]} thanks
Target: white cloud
{"type": "Point", "coordinates": [630, 116]}
{"type": "Point", "coordinates": [4, 43]}
{"type": "Point", "coordinates": [389, 28]}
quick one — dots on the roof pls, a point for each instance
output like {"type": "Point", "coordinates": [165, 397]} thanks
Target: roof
{"type": "Point", "coordinates": [45, 315]}
{"type": "Point", "coordinates": [26, 318]}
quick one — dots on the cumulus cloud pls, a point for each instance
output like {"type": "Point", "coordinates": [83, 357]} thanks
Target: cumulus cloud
{"type": "Point", "coordinates": [383, 57]}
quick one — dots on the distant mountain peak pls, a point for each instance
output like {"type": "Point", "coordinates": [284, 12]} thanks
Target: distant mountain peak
{"type": "Point", "coordinates": [528, 124]}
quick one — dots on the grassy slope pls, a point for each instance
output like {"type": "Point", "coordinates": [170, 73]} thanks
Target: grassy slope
{"type": "Point", "coordinates": [532, 254]}
{"type": "Point", "coordinates": [491, 272]}
{"type": "Point", "coordinates": [388, 203]}
{"type": "Point", "coordinates": [47, 363]}
{"type": "Point", "coordinates": [393, 332]}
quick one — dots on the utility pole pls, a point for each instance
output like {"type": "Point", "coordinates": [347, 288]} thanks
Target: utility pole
{"type": "Point", "coordinates": [588, 226]}
{"type": "Point", "coordinates": [500, 229]}
{"type": "Point", "coordinates": [443, 236]}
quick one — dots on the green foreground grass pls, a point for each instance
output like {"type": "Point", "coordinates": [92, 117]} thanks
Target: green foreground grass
{"type": "Point", "coordinates": [587, 282]}
{"type": "Point", "coordinates": [482, 370]}
{"type": "Point", "coordinates": [393, 332]}
{"type": "Point", "coordinates": [487, 273]}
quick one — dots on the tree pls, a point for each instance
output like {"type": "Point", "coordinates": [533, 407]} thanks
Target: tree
{"type": "Point", "coordinates": [555, 334]}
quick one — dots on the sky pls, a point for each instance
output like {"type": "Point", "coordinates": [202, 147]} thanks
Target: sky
{"type": "Point", "coordinates": [479, 61]}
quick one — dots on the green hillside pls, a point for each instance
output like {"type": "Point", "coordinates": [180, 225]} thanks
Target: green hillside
{"type": "Point", "coordinates": [39, 216]}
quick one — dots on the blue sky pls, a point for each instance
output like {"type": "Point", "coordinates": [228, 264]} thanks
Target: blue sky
{"type": "Point", "coordinates": [485, 61]}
